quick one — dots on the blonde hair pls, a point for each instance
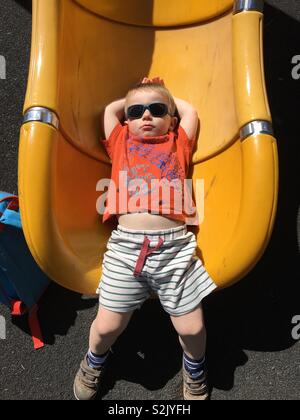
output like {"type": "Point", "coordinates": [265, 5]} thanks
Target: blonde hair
{"type": "Point", "coordinates": [156, 87]}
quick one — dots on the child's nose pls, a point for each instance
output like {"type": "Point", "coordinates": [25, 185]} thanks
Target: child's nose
{"type": "Point", "coordinates": [147, 113]}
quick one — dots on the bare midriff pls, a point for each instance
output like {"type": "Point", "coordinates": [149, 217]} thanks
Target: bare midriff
{"type": "Point", "coordinates": [147, 221]}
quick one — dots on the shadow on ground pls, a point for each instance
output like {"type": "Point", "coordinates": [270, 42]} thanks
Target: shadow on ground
{"type": "Point", "coordinates": [58, 309]}
{"type": "Point", "coordinates": [26, 4]}
{"type": "Point", "coordinates": [257, 313]}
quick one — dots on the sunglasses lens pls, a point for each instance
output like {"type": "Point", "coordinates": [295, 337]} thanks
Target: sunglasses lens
{"type": "Point", "coordinates": [158, 109]}
{"type": "Point", "coordinates": [135, 111]}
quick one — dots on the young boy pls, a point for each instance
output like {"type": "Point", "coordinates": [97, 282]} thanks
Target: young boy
{"type": "Point", "coordinates": [149, 251]}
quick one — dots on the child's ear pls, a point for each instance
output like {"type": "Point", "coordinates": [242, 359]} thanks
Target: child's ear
{"type": "Point", "coordinates": [173, 123]}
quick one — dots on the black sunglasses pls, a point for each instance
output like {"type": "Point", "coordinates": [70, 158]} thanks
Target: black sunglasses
{"type": "Point", "coordinates": [157, 109]}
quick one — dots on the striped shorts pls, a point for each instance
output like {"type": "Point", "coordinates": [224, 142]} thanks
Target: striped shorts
{"type": "Point", "coordinates": [140, 262]}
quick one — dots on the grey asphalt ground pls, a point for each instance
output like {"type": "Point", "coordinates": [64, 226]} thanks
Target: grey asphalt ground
{"type": "Point", "coordinates": [251, 352]}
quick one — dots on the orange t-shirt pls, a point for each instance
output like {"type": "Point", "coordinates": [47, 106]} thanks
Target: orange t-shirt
{"type": "Point", "coordinates": [143, 168]}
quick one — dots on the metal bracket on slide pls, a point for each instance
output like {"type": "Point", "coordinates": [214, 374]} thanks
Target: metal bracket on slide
{"type": "Point", "coordinates": [256, 127]}
{"type": "Point", "coordinates": [41, 114]}
{"type": "Point", "coordinates": [248, 5]}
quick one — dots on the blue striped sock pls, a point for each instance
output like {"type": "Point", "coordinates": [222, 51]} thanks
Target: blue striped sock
{"type": "Point", "coordinates": [195, 368]}
{"type": "Point", "coordinates": [95, 361]}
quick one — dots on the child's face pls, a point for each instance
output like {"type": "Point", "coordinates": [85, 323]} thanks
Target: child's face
{"type": "Point", "coordinates": [147, 125]}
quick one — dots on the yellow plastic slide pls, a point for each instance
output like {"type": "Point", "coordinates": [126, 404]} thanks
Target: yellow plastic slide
{"type": "Point", "coordinates": [87, 53]}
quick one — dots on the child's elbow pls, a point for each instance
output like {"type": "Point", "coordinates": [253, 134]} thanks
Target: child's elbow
{"type": "Point", "coordinates": [194, 112]}
{"type": "Point", "coordinates": [194, 115]}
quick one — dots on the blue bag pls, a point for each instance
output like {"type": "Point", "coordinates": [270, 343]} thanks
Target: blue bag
{"type": "Point", "coordinates": [22, 282]}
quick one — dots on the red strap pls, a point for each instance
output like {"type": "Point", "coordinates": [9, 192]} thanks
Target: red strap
{"type": "Point", "coordinates": [17, 309]}
{"type": "Point", "coordinates": [8, 197]}
{"type": "Point", "coordinates": [35, 328]}
{"type": "Point", "coordinates": [13, 205]}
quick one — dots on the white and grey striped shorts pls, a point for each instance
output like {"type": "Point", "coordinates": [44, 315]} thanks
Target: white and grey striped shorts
{"type": "Point", "coordinates": [140, 262]}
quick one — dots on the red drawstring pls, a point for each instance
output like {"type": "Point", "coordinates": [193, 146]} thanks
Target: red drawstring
{"type": "Point", "coordinates": [144, 253]}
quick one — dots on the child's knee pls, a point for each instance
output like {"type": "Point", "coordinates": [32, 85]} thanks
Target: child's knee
{"type": "Point", "coordinates": [110, 323]}
{"type": "Point", "coordinates": [191, 330]}
{"type": "Point", "coordinates": [187, 325]}
{"type": "Point", "coordinates": [107, 330]}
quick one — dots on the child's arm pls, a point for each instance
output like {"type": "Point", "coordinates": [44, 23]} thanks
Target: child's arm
{"type": "Point", "coordinates": [188, 117]}
{"type": "Point", "coordinates": [113, 115]}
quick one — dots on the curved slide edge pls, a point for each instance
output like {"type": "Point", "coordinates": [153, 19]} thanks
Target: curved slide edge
{"type": "Point", "coordinates": [257, 212]}
{"type": "Point", "coordinates": [248, 67]}
{"type": "Point", "coordinates": [43, 76]}
{"type": "Point", "coordinates": [36, 178]}
{"type": "Point", "coordinates": [158, 13]}
{"type": "Point", "coordinates": [259, 151]}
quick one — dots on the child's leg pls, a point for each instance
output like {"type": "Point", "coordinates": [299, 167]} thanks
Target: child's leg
{"type": "Point", "coordinates": [192, 337]}
{"type": "Point", "coordinates": [192, 332]}
{"type": "Point", "coordinates": [106, 329]}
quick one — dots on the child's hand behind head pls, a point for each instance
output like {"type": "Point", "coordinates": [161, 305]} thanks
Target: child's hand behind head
{"type": "Point", "coordinates": [150, 111]}
{"type": "Point", "coordinates": [156, 80]}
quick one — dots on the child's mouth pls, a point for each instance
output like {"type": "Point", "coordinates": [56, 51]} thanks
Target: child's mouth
{"type": "Point", "coordinates": [147, 127]}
